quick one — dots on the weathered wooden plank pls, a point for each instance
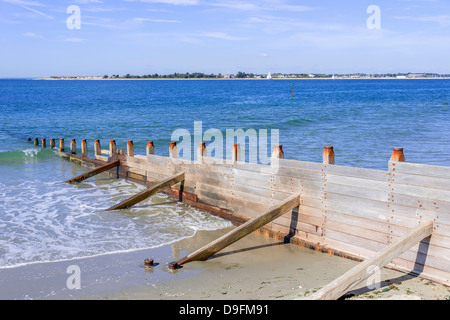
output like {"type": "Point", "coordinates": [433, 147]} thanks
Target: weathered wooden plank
{"type": "Point", "coordinates": [241, 231]}
{"type": "Point", "coordinates": [94, 172]}
{"type": "Point", "coordinates": [149, 192]}
{"type": "Point", "coordinates": [420, 169]}
{"type": "Point", "coordinates": [362, 173]}
{"type": "Point", "coordinates": [357, 182]}
{"type": "Point", "coordinates": [421, 181]}
{"type": "Point", "coordinates": [365, 269]}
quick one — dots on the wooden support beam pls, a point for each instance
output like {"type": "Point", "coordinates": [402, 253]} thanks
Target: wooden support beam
{"type": "Point", "coordinates": [84, 148]}
{"type": "Point", "coordinates": [240, 232]}
{"type": "Point", "coordinates": [52, 143]}
{"type": "Point", "coordinates": [150, 148]}
{"type": "Point", "coordinates": [149, 192]}
{"type": "Point", "coordinates": [397, 155]}
{"type": "Point", "coordinates": [328, 155]}
{"type": "Point", "coordinates": [44, 143]}
{"type": "Point", "coordinates": [94, 172]}
{"type": "Point", "coordinates": [61, 145]}
{"type": "Point", "coordinates": [365, 269]}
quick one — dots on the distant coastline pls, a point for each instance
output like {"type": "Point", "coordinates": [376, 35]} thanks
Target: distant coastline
{"type": "Point", "coordinates": [194, 79]}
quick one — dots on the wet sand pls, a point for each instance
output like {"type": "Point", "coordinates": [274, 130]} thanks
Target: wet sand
{"type": "Point", "coordinates": [254, 268]}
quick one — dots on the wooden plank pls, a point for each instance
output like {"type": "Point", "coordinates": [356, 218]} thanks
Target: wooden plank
{"type": "Point", "coordinates": [420, 169]}
{"type": "Point", "coordinates": [241, 231]}
{"type": "Point", "coordinates": [94, 172]}
{"type": "Point", "coordinates": [365, 269]}
{"type": "Point", "coordinates": [149, 192]}
{"type": "Point", "coordinates": [421, 181]}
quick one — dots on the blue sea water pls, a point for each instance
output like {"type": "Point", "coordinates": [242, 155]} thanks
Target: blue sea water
{"type": "Point", "coordinates": [44, 220]}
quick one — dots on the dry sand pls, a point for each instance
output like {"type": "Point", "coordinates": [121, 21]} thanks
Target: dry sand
{"type": "Point", "coordinates": [254, 268]}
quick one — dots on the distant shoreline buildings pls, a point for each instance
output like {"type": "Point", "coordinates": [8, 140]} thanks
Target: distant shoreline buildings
{"type": "Point", "coordinates": [244, 75]}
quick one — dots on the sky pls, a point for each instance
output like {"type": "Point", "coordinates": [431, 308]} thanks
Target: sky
{"type": "Point", "coordinates": [40, 38]}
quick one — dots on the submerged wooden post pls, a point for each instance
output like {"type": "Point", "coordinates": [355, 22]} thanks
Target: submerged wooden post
{"type": "Point", "coordinates": [112, 147]}
{"type": "Point", "coordinates": [365, 269]}
{"type": "Point", "coordinates": [397, 155]}
{"type": "Point", "coordinates": [84, 148]}
{"type": "Point", "coordinates": [150, 148]}
{"type": "Point", "coordinates": [278, 151]}
{"type": "Point", "coordinates": [61, 145]}
{"type": "Point", "coordinates": [328, 155]}
{"type": "Point", "coordinates": [97, 148]}
{"type": "Point", "coordinates": [52, 143]}
{"type": "Point", "coordinates": [173, 151]}
{"type": "Point", "coordinates": [44, 143]}
{"type": "Point", "coordinates": [236, 152]}
{"type": "Point", "coordinates": [201, 151]}
{"type": "Point", "coordinates": [94, 172]}
{"type": "Point", "coordinates": [149, 192]}
{"type": "Point", "coordinates": [269, 215]}
{"type": "Point", "coordinates": [130, 148]}
{"type": "Point", "coordinates": [73, 146]}
{"type": "Point", "coordinates": [36, 141]}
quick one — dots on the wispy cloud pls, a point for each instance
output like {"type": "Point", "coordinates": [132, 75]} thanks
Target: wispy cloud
{"type": "Point", "coordinates": [221, 35]}
{"type": "Point", "coordinates": [442, 20]}
{"type": "Point", "coordinates": [24, 3]}
{"type": "Point", "coordinates": [172, 2]}
{"type": "Point", "coordinates": [155, 20]}
{"type": "Point", "coordinates": [32, 35]}
{"type": "Point", "coordinates": [76, 40]}
{"type": "Point", "coordinates": [37, 12]}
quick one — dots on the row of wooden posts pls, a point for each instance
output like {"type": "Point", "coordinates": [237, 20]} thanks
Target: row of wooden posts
{"type": "Point", "coordinates": [334, 289]}
{"type": "Point", "coordinates": [328, 152]}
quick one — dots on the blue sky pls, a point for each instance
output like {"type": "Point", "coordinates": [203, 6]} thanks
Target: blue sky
{"type": "Point", "coordinates": [226, 36]}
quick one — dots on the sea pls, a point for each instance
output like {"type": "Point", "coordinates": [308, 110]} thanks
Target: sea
{"type": "Point", "coordinates": [44, 220]}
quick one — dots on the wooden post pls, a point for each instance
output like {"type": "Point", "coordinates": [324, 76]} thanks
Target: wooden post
{"type": "Point", "coordinates": [149, 192]}
{"type": "Point", "coordinates": [36, 141]}
{"type": "Point", "coordinates": [44, 143]}
{"type": "Point", "coordinates": [201, 152]}
{"type": "Point", "coordinates": [328, 155]}
{"type": "Point", "coordinates": [94, 172]}
{"type": "Point", "coordinates": [61, 145]}
{"type": "Point", "coordinates": [236, 152]}
{"type": "Point", "coordinates": [240, 232]}
{"type": "Point", "coordinates": [365, 269]}
{"type": "Point", "coordinates": [73, 146]}
{"type": "Point", "coordinates": [52, 143]}
{"type": "Point", "coordinates": [278, 151]}
{"type": "Point", "coordinates": [112, 147]}
{"type": "Point", "coordinates": [173, 151]}
{"type": "Point", "coordinates": [130, 148]}
{"type": "Point", "coordinates": [97, 148]}
{"type": "Point", "coordinates": [150, 148]}
{"type": "Point", "coordinates": [397, 155]}
{"type": "Point", "coordinates": [84, 148]}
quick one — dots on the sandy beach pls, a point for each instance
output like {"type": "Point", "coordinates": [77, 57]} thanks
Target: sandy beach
{"type": "Point", "coordinates": [254, 268]}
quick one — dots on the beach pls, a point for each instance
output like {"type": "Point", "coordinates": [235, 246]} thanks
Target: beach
{"type": "Point", "coordinates": [254, 268]}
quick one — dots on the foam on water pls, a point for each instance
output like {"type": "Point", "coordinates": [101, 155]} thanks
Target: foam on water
{"type": "Point", "coordinates": [45, 220]}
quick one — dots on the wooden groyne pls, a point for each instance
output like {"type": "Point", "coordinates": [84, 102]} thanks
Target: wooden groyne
{"type": "Point", "coordinates": [399, 218]}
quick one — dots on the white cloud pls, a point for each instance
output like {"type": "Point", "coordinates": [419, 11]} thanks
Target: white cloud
{"type": "Point", "coordinates": [32, 35]}
{"type": "Point", "coordinates": [77, 40]}
{"type": "Point", "coordinates": [37, 12]}
{"type": "Point", "coordinates": [220, 35]}
{"type": "Point", "coordinates": [443, 20]}
{"type": "Point", "coordinates": [24, 3]}
{"type": "Point", "coordinates": [172, 2]}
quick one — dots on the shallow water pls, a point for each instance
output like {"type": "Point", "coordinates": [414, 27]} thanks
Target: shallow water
{"type": "Point", "coordinates": [43, 219]}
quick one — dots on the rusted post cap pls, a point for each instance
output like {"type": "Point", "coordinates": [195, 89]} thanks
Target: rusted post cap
{"type": "Point", "coordinates": [328, 147]}
{"type": "Point", "coordinates": [150, 144]}
{"type": "Point", "coordinates": [397, 155]}
{"type": "Point", "coordinates": [173, 265]}
{"type": "Point", "coordinates": [173, 144]}
{"type": "Point", "coordinates": [148, 262]}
